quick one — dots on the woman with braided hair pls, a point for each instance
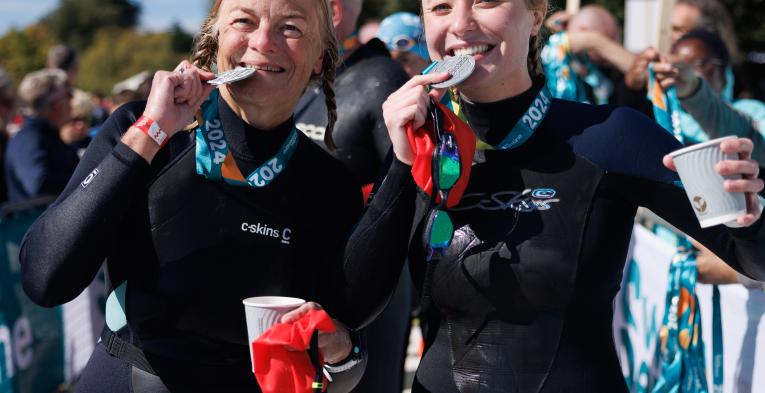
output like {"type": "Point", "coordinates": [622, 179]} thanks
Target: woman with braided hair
{"type": "Point", "coordinates": [192, 223]}
{"type": "Point", "coordinates": [516, 224]}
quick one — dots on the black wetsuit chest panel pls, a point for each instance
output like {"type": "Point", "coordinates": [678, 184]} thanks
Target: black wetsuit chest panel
{"type": "Point", "coordinates": [508, 277]}
{"type": "Point", "coordinates": [208, 234]}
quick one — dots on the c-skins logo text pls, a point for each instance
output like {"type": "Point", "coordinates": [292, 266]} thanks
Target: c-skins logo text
{"type": "Point", "coordinates": [285, 235]}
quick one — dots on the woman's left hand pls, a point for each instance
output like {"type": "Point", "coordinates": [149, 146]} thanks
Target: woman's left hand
{"type": "Point", "coordinates": [749, 184]}
{"type": "Point", "coordinates": [333, 346]}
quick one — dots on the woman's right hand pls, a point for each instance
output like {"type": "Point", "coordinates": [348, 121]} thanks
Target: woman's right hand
{"type": "Point", "coordinates": [635, 78]}
{"type": "Point", "coordinates": [409, 104]}
{"type": "Point", "coordinates": [175, 96]}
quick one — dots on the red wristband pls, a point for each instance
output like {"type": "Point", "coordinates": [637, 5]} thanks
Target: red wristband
{"type": "Point", "coordinates": [151, 129]}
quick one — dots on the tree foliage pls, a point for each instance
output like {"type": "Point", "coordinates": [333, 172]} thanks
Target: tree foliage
{"type": "Point", "coordinates": [75, 22]}
{"type": "Point", "coordinates": [118, 54]}
{"type": "Point", "coordinates": [111, 50]}
{"type": "Point", "coordinates": [24, 51]}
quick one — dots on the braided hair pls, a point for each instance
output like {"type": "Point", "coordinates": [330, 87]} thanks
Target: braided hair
{"type": "Point", "coordinates": [328, 69]}
{"type": "Point", "coordinates": [206, 42]}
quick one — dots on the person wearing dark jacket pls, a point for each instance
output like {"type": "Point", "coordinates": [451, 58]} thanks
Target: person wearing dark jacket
{"type": "Point", "coordinates": [37, 161]}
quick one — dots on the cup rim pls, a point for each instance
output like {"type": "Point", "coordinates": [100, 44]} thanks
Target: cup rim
{"type": "Point", "coordinates": [268, 301]}
{"type": "Point", "coordinates": [700, 146]}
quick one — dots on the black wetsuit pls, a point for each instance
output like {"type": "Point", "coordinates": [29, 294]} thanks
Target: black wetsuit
{"type": "Point", "coordinates": [364, 81]}
{"type": "Point", "coordinates": [191, 249]}
{"type": "Point", "coordinates": [523, 298]}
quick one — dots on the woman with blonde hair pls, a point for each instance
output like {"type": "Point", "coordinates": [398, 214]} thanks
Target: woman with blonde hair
{"type": "Point", "coordinates": [520, 224]}
{"type": "Point", "coordinates": [191, 223]}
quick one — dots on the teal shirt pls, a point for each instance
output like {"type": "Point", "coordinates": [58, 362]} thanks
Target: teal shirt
{"type": "Point", "coordinates": [708, 116]}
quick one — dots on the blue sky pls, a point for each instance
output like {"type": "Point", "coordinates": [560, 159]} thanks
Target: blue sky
{"type": "Point", "coordinates": [155, 15]}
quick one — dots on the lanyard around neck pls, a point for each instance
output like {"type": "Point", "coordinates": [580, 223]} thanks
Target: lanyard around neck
{"type": "Point", "coordinates": [214, 160]}
{"type": "Point", "coordinates": [525, 126]}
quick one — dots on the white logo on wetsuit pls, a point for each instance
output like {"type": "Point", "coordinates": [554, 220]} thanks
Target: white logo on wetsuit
{"type": "Point", "coordinates": [264, 230]}
{"type": "Point", "coordinates": [525, 202]}
{"type": "Point", "coordinates": [90, 178]}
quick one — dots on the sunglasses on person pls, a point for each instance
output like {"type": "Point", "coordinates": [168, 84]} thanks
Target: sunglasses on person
{"type": "Point", "coordinates": [445, 171]}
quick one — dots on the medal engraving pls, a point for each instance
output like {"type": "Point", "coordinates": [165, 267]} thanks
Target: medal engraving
{"type": "Point", "coordinates": [459, 67]}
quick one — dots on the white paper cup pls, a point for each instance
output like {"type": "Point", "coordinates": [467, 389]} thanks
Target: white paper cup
{"type": "Point", "coordinates": [262, 312]}
{"type": "Point", "coordinates": [704, 186]}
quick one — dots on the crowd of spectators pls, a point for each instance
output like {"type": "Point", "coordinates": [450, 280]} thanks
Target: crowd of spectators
{"type": "Point", "coordinates": [46, 123]}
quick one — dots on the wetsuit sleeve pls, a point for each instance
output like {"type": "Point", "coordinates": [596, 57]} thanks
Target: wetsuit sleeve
{"type": "Point", "coordinates": [718, 119]}
{"type": "Point", "coordinates": [634, 163]}
{"type": "Point", "coordinates": [378, 246]}
{"type": "Point", "coordinates": [64, 248]}
{"type": "Point", "coordinates": [743, 249]}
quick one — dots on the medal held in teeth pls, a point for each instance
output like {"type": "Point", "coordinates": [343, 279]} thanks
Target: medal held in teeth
{"type": "Point", "coordinates": [459, 67]}
{"type": "Point", "coordinates": [231, 76]}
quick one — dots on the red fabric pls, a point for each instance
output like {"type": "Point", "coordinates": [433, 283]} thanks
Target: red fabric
{"type": "Point", "coordinates": [423, 142]}
{"type": "Point", "coordinates": [366, 190]}
{"type": "Point", "coordinates": [281, 371]}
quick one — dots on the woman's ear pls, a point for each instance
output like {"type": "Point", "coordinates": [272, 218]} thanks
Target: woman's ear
{"type": "Point", "coordinates": [319, 65]}
{"type": "Point", "coordinates": [337, 12]}
{"type": "Point", "coordinates": [539, 18]}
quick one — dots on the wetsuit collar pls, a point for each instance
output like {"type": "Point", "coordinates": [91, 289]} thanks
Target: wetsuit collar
{"type": "Point", "coordinates": [501, 124]}
{"type": "Point", "coordinates": [251, 143]}
{"type": "Point", "coordinates": [214, 151]}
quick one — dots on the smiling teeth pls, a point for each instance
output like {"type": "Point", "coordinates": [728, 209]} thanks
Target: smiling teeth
{"type": "Point", "coordinates": [473, 50]}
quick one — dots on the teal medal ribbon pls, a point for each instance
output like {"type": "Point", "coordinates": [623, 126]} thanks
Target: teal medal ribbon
{"type": "Point", "coordinates": [600, 84]}
{"type": "Point", "coordinates": [682, 348]}
{"type": "Point", "coordinates": [523, 129]}
{"type": "Point", "coordinates": [212, 150]}
{"type": "Point", "coordinates": [563, 81]}
{"type": "Point", "coordinates": [666, 105]}
{"type": "Point", "coordinates": [717, 342]}
{"type": "Point", "coordinates": [529, 122]}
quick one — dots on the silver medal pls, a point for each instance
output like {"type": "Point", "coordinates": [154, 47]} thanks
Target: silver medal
{"type": "Point", "coordinates": [459, 67]}
{"type": "Point", "coordinates": [231, 76]}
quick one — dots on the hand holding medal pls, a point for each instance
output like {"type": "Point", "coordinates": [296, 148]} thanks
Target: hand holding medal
{"type": "Point", "coordinates": [408, 106]}
{"type": "Point", "coordinates": [176, 96]}
{"type": "Point", "coordinates": [190, 88]}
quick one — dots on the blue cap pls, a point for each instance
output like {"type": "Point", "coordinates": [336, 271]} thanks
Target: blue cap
{"type": "Point", "coordinates": [403, 31]}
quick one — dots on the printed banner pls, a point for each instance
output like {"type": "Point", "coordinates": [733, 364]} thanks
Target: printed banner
{"type": "Point", "coordinates": [31, 337]}
{"type": "Point", "coordinates": [40, 348]}
{"type": "Point", "coordinates": [639, 308]}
